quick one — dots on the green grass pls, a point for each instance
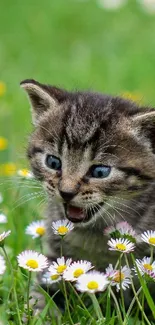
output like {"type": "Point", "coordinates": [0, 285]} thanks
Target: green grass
{"type": "Point", "coordinates": [75, 45]}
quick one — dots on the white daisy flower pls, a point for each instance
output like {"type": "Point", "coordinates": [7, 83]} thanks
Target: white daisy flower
{"type": "Point", "coordinates": [60, 265]}
{"type": "Point", "coordinates": [3, 218]}
{"type": "Point", "coordinates": [92, 282]}
{"type": "Point", "coordinates": [148, 5]}
{"type": "Point", "coordinates": [1, 198]}
{"type": "Point", "coordinates": [145, 266]}
{"type": "Point", "coordinates": [111, 4]}
{"type": "Point", "coordinates": [2, 265]}
{"type": "Point", "coordinates": [51, 276]}
{"type": "Point", "coordinates": [122, 228]}
{"type": "Point", "coordinates": [149, 237]}
{"type": "Point", "coordinates": [110, 272]}
{"type": "Point", "coordinates": [121, 245]}
{"type": "Point", "coordinates": [25, 173]}
{"type": "Point", "coordinates": [109, 230]}
{"type": "Point", "coordinates": [125, 229]}
{"type": "Point", "coordinates": [62, 227]}
{"type": "Point", "coordinates": [121, 278]}
{"type": "Point", "coordinates": [76, 269]}
{"type": "Point", "coordinates": [36, 229]}
{"type": "Point", "coordinates": [3, 236]}
{"type": "Point", "coordinates": [32, 261]}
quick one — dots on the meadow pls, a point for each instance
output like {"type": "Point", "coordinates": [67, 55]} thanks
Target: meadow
{"type": "Point", "coordinates": [75, 45]}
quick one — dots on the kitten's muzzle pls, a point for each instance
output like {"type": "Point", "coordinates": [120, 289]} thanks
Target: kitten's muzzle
{"type": "Point", "coordinates": [67, 196]}
{"type": "Point", "coordinates": [78, 214]}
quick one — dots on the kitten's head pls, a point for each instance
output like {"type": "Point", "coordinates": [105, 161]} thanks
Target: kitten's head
{"type": "Point", "coordinates": [88, 148]}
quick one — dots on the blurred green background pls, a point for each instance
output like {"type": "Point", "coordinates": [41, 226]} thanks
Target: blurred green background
{"type": "Point", "coordinates": [73, 44]}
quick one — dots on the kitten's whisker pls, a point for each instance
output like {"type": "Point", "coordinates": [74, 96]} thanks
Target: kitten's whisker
{"type": "Point", "coordinates": [31, 198]}
{"type": "Point", "coordinates": [27, 195]}
{"type": "Point", "coordinates": [114, 208]}
{"type": "Point", "coordinates": [128, 207]}
{"type": "Point", "coordinates": [56, 137]}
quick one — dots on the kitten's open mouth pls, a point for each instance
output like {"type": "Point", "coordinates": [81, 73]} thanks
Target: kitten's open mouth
{"type": "Point", "coordinates": [77, 214]}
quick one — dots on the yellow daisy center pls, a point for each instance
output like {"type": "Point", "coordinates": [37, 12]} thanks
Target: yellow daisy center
{"type": "Point", "coordinates": [40, 231]}
{"type": "Point", "coordinates": [3, 143]}
{"type": "Point", "coordinates": [77, 273]}
{"type": "Point", "coordinates": [62, 230]}
{"type": "Point", "coordinates": [119, 277]}
{"type": "Point", "coordinates": [32, 263]}
{"type": "Point", "coordinates": [121, 247]}
{"type": "Point", "coordinates": [148, 267]}
{"type": "Point", "coordinates": [24, 172]}
{"type": "Point", "coordinates": [61, 268]}
{"type": "Point", "coordinates": [152, 240]}
{"type": "Point", "coordinates": [54, 276]}
{"type": "Point", "coordinates": [92, 285]}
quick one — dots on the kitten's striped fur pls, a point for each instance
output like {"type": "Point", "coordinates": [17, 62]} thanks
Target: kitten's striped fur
{"type": "Point", "coordinates": [83, 129]}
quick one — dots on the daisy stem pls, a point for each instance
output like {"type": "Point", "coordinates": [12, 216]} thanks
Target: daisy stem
{"type": "Point", "coordinates": [121, 289]}
{"type": "Point", "coordinates": [96, 306]}
{"type": "Point", "coordinates": [117, 263]}
{"type": "Point", "coordinates": [13, 285]}
{"type": "Point", "coordinates": [28, 294]}
{"type": "Point", "coordinates": [117, 305]}
{"type": "Point", "coordinates": [151, 257]}
{"type": "Point", "coordinates": [80, 300]}
{"type": "Point", "coordinates": [41, 245]}
{"type": "Point", "coordinates": [67, 305]}
{"type": "Point", "coordinates": [131, 306]}
{"type": "Point", "coordinates": [61, 247]}
{"type": "Point", "coordinates": [135, 293]}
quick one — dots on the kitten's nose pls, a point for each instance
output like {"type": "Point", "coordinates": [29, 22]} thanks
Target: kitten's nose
{"type": "Point", "coordinates": [67, 195]}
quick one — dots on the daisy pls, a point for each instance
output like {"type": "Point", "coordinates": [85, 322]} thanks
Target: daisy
{"type": "Point", "coordinates": [148, 5]}
{"type": "Point", "coordinates": [111, 4]}
{"type": "Point", "coordinates": [92, 282]}
{"type": "Point", "coordinates": [3, 218]}
{"type": "Point", "coordinates": [36, 229]}
{"type": "Point", "coordinates": [76, 269]}
{"type": "Point", "coordinates": [121, 245]}
{"type": "Point", "coordinates": [3, 236]}
{"type": "Point", "coordinates": [121, 278]}
{"type": "Point", "coordinates": [1, 198]}
{"type": "Point", "coordinates": [149, 237]}
{"type": "Point", "coordinates": [109, 230]}
{"type": "Point", "coordinates": [2, 265]}
{"type": "Point", "coordinates": [121, 229]}
{"type": "Point", "coordinates": [51, 277]}
{"type": "Point", "coordinates": [60, 265]}
{"type": "Point", "coordinates": [145, 266]}
{"type": "Point", "coordinates": [32, 261]}
{"type": "Point", "coordinates": [25, 173]}
{"type": "Point", "coordinates": [110, 272]}
{"type": "Point", "coordinates": [125, 229]}
{"type": "Point", "coordinates": [62, 227]}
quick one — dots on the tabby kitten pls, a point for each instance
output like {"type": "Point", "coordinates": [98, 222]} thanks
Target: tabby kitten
{"type": "Point", "coordinates": [95, 156]}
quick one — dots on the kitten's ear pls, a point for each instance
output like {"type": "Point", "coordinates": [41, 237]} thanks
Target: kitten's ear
{"type": "Point", "coordinates": [145, 124]}
{"type": "Point", "coordinates": [42, 98]}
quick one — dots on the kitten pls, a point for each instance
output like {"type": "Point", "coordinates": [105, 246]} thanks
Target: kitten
{"type": "Point", "coordinates": [95, 156]}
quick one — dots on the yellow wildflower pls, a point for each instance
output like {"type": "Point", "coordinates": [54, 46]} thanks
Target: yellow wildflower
{"type": "Point", "coordinates": [8, 169]}
{"type": "Point", "coordinates": [135, 96]}
{"type": "Point", "coordinates": [3, 143]}
{"type": "Point", "coordinates": [2, 88]}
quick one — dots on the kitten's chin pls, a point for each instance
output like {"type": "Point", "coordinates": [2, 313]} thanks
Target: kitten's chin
{"type": "Point", "coordinates": [76, 214]}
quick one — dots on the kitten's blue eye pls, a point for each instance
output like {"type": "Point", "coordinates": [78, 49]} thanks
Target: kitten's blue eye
{"type": "Point", "coordinates": [100, 171]}
{"type": "Point", "coordinates": [53, 162]}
